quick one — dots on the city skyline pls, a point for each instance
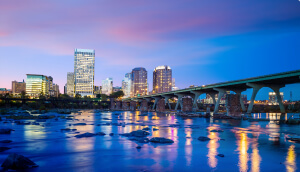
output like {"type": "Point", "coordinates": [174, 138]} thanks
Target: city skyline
{"type": "Point", "coordinates": [201, 47]}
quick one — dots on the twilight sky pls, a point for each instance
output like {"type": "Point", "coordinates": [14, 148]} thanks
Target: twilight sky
{"type": "Point", "coordinates": [203, 41]}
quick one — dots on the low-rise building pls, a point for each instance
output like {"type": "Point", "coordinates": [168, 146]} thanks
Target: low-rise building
{"type": "Point", "coordinates": [4, 91]}
{"type": "Point", "coordinates": [37, 85]}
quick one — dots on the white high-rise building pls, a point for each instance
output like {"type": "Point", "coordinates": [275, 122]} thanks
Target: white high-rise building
{"type": "Point", "coordinates": [127, 85]}
{"type": "Point", "coordinates": [70, 84]}
{"type": "Point", "coordinates": [84, 65]}
{"type": "Point", "coordinates": [107, 86]}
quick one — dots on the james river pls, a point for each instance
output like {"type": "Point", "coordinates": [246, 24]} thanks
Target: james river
{"type": "Point", "coordinates": [247, 146]}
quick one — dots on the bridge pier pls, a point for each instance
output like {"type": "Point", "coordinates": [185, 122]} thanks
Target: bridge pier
{"type": "Point", "coordinates": [118, 105]}
{"type": "Point", "coordinates": [132, 105]}
{"type": "Point", "coordinates": [144, 105]}
{"type": "Point", "coordinates": [125, 106]}
{"type": "Point", "coordinates": [167, 101]}
{"type": "Point", "coordinates": [156, 99]}
{"type": "Point", "coordinates": [112, 104]}
{"type": "Point", "coordinates": [233, 106]}
{"type": "Point", "coordinates": [179, 101]}
{"type": "Point", "coordinates": [257, 87]}
{"type": "Point", "coordinates": [187, 105]}
{"type": "Point", "coordinates": [160, 107]}
{"type": "Point", "coordinates": [220, 95]}
{"type": "Point", "coordinates": [239, 92]}
{"type": "Point", "coordinates": [196, 96]}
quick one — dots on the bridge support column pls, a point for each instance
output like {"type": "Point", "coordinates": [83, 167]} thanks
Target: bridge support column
{"type": "Point", "coordinates": [155, 102]}
{"type": "Point", "coordinates": [179, 101]}
{"type": "Point", "coordinates": [196, 96]}
{"type": "Point", "coordinates": [167, 101]}
{"type": "Point", "coordinates": [220, 95]}
{"type": "Point", "coordinates": [279, 100]}
{"type": "Point", "coordinates": [257, 87]}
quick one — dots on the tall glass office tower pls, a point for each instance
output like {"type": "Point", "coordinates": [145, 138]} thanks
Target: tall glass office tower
{"type": "Point", "coordinates": [107, 86]}
{"type": "Point", "coordinates": [162, 79]}
{"type": "Point", "coordinates": [84, 65]}
{"type": "Point", "coordinates": [70, 84]}
{"type": "Point", "coordinates": [139, 81]}
{"type": "Point", "coordinates": [36, 85]}
{"type": "Point", "coordinates": [127, 86]}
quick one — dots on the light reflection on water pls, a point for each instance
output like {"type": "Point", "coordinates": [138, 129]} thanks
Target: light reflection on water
{"type": "Point", "coordinates": [252, 142]}
{"type": "Point", "coordinates": [242, 143]}
{"type": "Point", "coordinates": [213, 146]}
{"type": "Point", "coordinates": [291, 159]}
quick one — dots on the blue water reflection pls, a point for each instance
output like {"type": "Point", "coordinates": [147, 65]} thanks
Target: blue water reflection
{"type": "Point", "coordinates": [247, 145]}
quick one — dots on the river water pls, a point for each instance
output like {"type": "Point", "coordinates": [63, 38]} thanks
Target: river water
{"type": "Point", "coordinates": [247, 146]}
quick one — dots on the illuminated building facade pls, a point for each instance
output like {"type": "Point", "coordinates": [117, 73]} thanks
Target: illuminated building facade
{"type": "Point", "coordinates": [127, 85]}
{"type": "Point", "coordinates": [18, 87]}
{"type": "Point", "coordinates": [70, 84]}
{"type": "Point", "coordinates": [84, 65]}
{"type": "Point", "coordinates": [162, 79]}
{"type": "Point", "coordinates": [139, 81]}
{"type": "Point", "coordinates": [273, 97]}
{"type": "Point", "coordinates": [107, 86]}
{"type": "Point", "coordinates": [37, 85]}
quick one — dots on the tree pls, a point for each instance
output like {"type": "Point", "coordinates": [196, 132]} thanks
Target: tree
{"type": "Point", "coordinates": [64, 96]}
{"type": "Point", "coordinates": [77, 96]}
{"type": "Point", "coordinates": [103, 97]}
{"type": "Point", "coordinates": [42, 96]}
{"type": "Point", "coordinates": [23, 93]}
{"type": "Point", "coordinates": [117, 94]}
{"type": "Point", "coordinates": [98, 96]}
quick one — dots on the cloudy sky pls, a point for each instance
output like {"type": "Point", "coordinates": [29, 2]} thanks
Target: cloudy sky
{"type": "Point", "coordinates": [203, 41]}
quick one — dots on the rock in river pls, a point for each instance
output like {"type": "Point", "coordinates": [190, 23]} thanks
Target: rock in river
{"type": "Point", "coordinates": [5, 141]}
{"type": "Point", "coordinates": [138, 133]}
{"type": "Point", "coordinates": [90, 134]}
{"type": "Point", "coordinates": [216, 131]}
{"type": "Point", "coordinates": [147, 128]}
{"type": "Point", "coordinates": [17, 162]}
{"type": "Point", "coordinates": [5, 131]}
{"type": "Point", "coordinates": [2, 149]}
{"type": "Point", "coordinates": [221, 155]}
{"type": "Point", "coordinates": [67, 129]}
{"type": "Point", "coordinates": [80, 124]}
{"type": "Point", "coordinates": [202, 138]}
{"type": "Point", "coordinates": [161, 140]}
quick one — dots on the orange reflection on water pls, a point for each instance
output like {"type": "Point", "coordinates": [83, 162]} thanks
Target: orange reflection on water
{"type": "Point", "coordinates": [242, 143]}
{"type": "Point", "coordinates": [255, 158]}
{"type": "Point", "coordinates": [213, 146]}
{"type": "Point", "coordinates": [290, 162]}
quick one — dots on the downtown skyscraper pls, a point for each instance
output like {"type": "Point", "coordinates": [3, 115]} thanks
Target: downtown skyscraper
{"type": "Point", "coordinates": [84, 69]}
{"type": "Point", "coordinates": [107, 86]}
{"type": "Point", "coordinates": [127, 85]}
{"type": "Point", "coordinates": [162, 79]}
{"type": "Point", "coordinates": [70, 84]}
{"type": "Point", "coordinates": [139, 81]}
